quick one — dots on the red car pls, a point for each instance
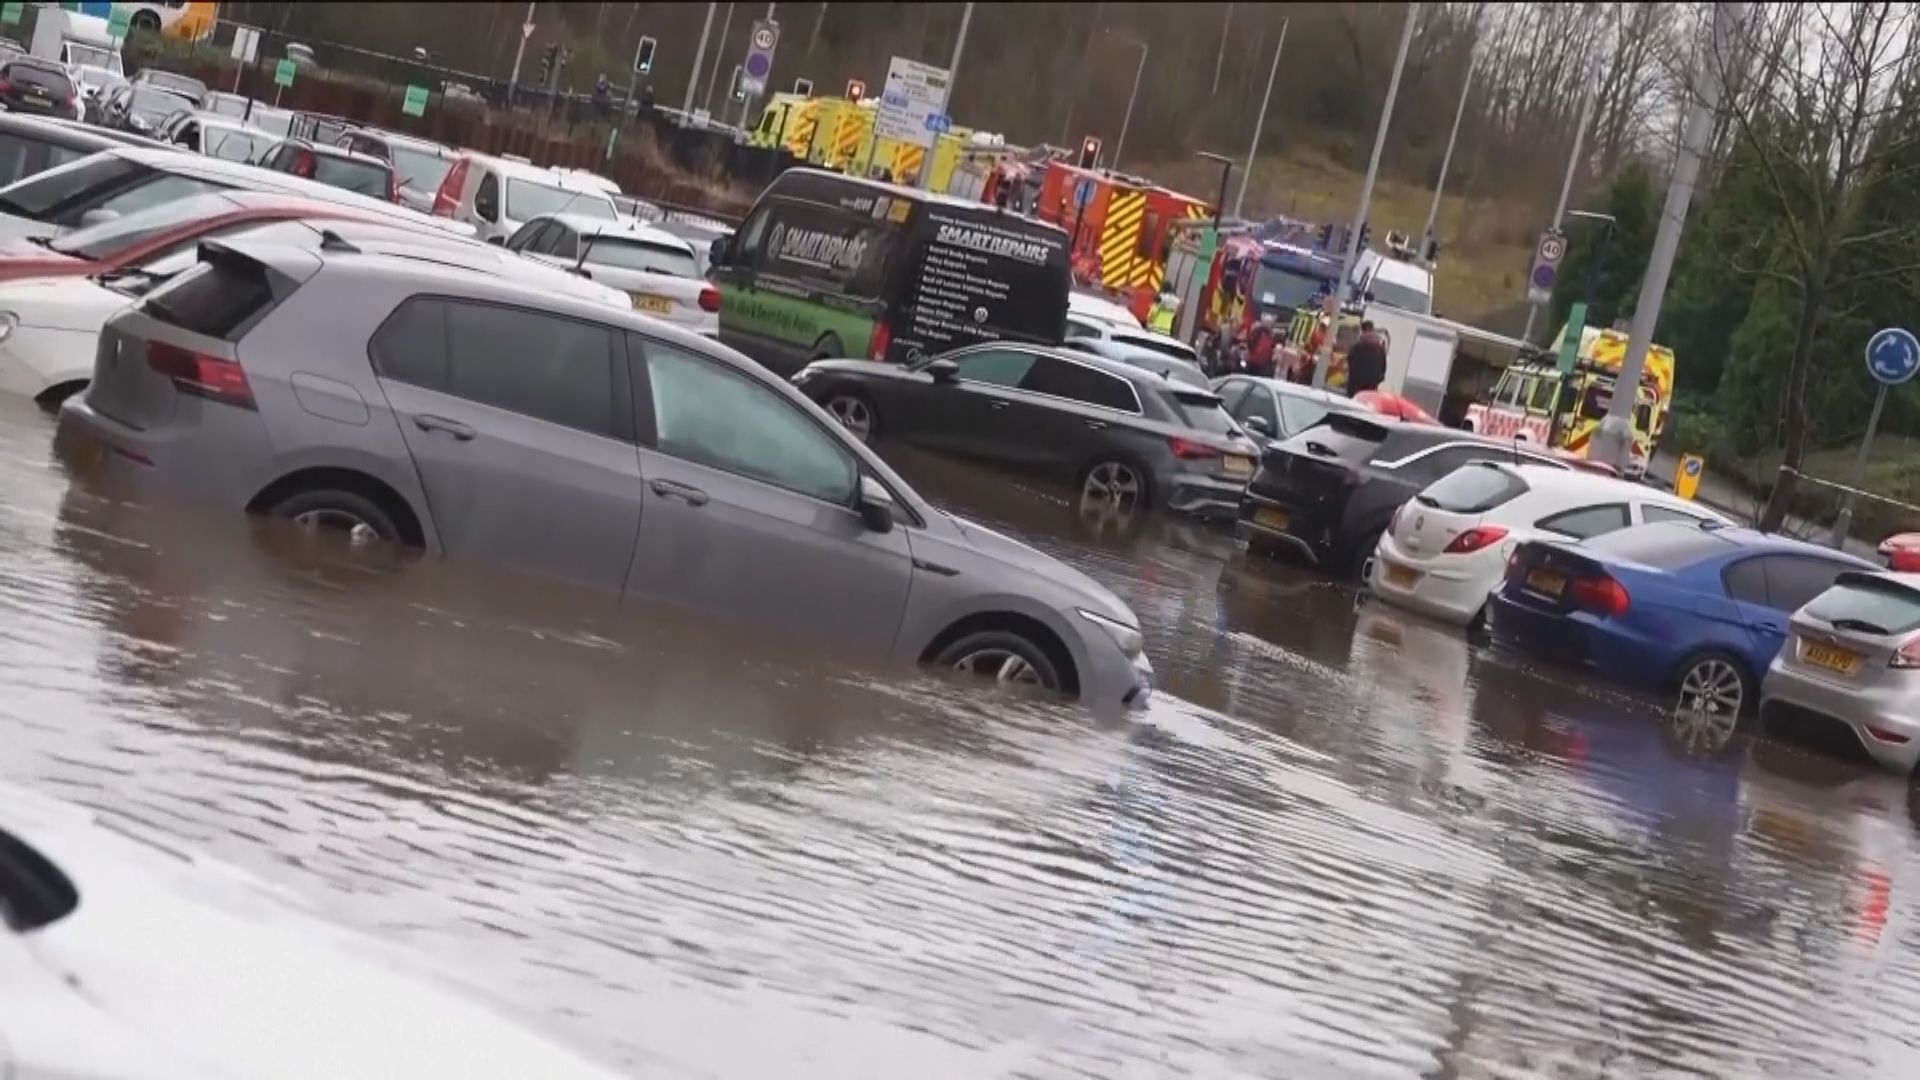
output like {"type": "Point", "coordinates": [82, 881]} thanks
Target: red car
{"type": "Point", "coordinates": [140, 236]}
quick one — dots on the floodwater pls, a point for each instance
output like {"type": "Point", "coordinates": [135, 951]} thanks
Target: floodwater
{"type": "Point", "coordinates": [1341, 842]}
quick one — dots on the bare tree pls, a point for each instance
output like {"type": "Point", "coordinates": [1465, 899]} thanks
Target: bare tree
{"type": "Point", "coordinates": [1828, 112]}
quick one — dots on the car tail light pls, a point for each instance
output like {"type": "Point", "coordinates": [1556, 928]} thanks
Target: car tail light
{"type": "Point", "coordinates": [393, 186]}
{"type": "Point", "coordinates": [1601, 595]}
{"type": "Point", "coordinates": [1886, 735]}
{"type": "Point", "coordinates": [1188, 450]}
{"type": "Point", "coordinates": [201, 375]}
{"type": "Point", "coordinates": [1475, 539]}
{"type": "Point", "coordinates": [447, 200]}
{"type": "Point", "coordinates": [1908, 656]}
{"type": "Point", "coordinates": [303, 164]}
{"type": "Point", "coordinates": [5, 86]}
{"type": "Point", "coordinates": [709, 299]}
{"type": "Point", "coordinates": [877, 344]}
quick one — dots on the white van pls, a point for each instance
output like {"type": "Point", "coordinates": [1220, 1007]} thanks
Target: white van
{"type": "Point", "coordinates": [1399, 283]}
{"type": "Point", "coordinates": [496, 196]}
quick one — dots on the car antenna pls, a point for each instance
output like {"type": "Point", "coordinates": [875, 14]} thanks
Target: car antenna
{"type": "Point", "coordinates": [333, 241]}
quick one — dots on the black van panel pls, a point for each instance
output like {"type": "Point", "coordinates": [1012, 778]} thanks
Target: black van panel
{"type": "Point", "coordinates": [973, 275]}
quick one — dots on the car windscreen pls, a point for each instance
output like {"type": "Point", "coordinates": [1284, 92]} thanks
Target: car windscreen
{"type": "Point", "coordinates": [22, 156]}
{"type": "Point", "coordinates": [1201, 410]}
{"type": "Point", "coordinates": [112, 237]}
{"type": "Point", "coordinates": [418, 169]}
{"type": "Point", "coordinates": [153, 104]}
{"type": "Point", "coordinates": [1663, 547]}
{"type": "Point", "coordinates": [1474, 488]}
{"type": "Point", "coordinates": [974, 276]}
{"type": "Point", "coordinates": [93, 56]}
{"type": "Point", "coordinates": [38, 197]}
{"type": "Point", "coordinates": [527, 200]}
{"type": "Point", "coordinates": [1396, 295]}
{"type": "Point", "coordinates": [233, 144]}
{"type": "Point", "coordinates": [351, 174]}
{"type": "Point", "coordinates": [225, 104]}
{"type": "Point", "coordinates": [1275, 287]}
{"type": "Point", "coordinates": [1870, 605]}
{"type": "Point", "coordinates": [276, 122]}
{"type": "Point", "coordinates": [1179, 350]}
{"type": "Point", "coordinates": [45, 77]}
{"type": "Point", "coordinates": [627, 253]}
{"type": "Point", "coordinates": [179, 84]}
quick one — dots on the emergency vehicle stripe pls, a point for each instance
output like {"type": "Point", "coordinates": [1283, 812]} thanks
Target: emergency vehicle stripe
{"type": "Point", "coordinates": [1196, 211]}
{"type": "Point", "coordinates": [1121, 234]}
{"type": "Point", "coordinates": [846, 140]}
{"type": "Point", "coordinates": [907, 158]}
{"type": "Point", "coordinates": [800, 135]}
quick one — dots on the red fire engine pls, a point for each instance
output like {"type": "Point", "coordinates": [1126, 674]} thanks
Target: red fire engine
{"type": "Point", "coordinates": [1122, 228]}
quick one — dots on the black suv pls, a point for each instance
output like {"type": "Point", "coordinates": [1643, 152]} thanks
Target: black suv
{"type": "Point", "coordinates": [1330, 491]}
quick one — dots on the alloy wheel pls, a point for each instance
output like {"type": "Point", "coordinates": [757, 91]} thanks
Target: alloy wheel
{"type": "Point", "coordinates": [1001, 665]}
{"type": "Point", "coordinates": [853, 415]}
{"type": "Point", "coordinates": [1708, 709]}
{"type": "Point", "coordinates": [356, 529]}
{"type": "Point", "coordinates": [1111, 494]}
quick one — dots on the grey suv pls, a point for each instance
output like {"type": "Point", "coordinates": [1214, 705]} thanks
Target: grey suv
{"type": "Point", "coordinates": [410, 397]}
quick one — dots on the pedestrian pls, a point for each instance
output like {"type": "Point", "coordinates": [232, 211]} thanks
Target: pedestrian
{"type": "Point", "coordinates": [1260, 345]}
{"type": "Point", "coordinates": [602, 96]}
{"type": "Point", "coordinates": [1366, 361]}
{"type": "Point", "coordinates": [646, 98]}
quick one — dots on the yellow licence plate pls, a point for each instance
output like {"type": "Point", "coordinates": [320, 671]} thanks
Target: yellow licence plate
{"type": "Point", "coordinates": [1270, 519]}
{"type": "Point", "coordinates": [1399, 576]}
{"type": "Point", "coordinates": [1830, 657]}
{"type": "Point", "coordinates": [1546, 583]}
{"type": "Point", "coordinates": [658, 305]}
{"type": "Point", "coordinates": [1236, 466]}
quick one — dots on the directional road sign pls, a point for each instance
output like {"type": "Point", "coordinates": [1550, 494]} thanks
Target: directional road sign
{"type": "Point", "coordinates": [915, 93]}
{"type": "Point", "coordinates": [1893, 356]}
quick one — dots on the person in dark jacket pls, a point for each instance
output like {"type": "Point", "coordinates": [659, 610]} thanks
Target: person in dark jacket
{"type": "Point", "coordinates": [1366, 361]}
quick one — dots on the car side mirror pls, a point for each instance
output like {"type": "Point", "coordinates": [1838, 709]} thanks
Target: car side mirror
{"type": "Point", "coordinates": [721, 252]}
{"type": "Point", "coordinates": [876, 505]}
{"type": "Point", "coordinates": [944, 371]}
{"type": "Point", "coordinates": [1258, 425]}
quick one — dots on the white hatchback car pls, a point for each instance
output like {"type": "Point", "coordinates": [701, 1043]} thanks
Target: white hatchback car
{"type": "Point", "coordinates": [657, 270]}
{"type": "Point", "coordinates": [1446, 549]}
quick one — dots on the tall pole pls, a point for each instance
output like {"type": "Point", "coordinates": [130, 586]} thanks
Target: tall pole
{"type": "Point", "coordinates": [1446, 160]}
{"type": "Point", "coordinates": [519, 54]}
{"type": "Point", "coordinates": [1139, 69]}
{"type": "Point", "coordinates": [1323, 361]}
{"type": "Point", "coordinates": [1219, 61]}
{"type": "Point", "coordinates": [953, 83]}
{"type": "Point", "coordinates": [719, 51]}
{"type": "Point", "coordinates": [699, 56]}
{"type": "Point", "coordinates": [1080, 76]}
{"type": "Point", "coordinates": [1259, 120]}
{"type": "Point", "coordinates": [1573, 165]}
{"type": "Point", "coordinates": [1612, 442]}
{"type": "Point", "coordinates": [1843, 524]}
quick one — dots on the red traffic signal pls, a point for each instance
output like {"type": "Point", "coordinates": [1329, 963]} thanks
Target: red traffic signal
{"type": "Point", "coordinates": [1089, 151]}
{"type": "Point", "coordinates": [856, 90]}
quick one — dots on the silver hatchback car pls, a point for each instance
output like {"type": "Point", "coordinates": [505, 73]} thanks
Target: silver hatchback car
{"type": "Point", "coordinates": [410, 397]}
{"type": "Point", "coordinates": [1852, 657]}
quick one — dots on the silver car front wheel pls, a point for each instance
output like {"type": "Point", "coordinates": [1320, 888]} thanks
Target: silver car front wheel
{"type": "Point", "coordinates": [853, 413]}
{"type": "Point", "coordinates": [338, 520]}
{"type": "Point", "coordinates": [1713, 694]}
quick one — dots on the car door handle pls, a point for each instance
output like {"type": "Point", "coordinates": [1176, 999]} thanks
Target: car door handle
{"type": "Point", "coordinates": [1000, 404]}
{"type": "Point", "coordinates": [428, 422]}
{"type": "Point", "coordinates": [673, 489]}
{"type": "Point", "coordinates": [1096, 425]}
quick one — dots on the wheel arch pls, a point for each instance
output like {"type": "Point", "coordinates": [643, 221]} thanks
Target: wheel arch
{"type": "Point", "coordinates": [318, 477]}
{"type": "Point", "coordinates": [1045, 637]}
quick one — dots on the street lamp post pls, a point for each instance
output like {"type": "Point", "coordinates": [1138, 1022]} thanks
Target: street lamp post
{"type": "Point", "coordinates": [1140, 69]}
{"type": "Point", "coordinates": [1569, 359]}
{"type": "Point", "coordinates": [1189, 319]}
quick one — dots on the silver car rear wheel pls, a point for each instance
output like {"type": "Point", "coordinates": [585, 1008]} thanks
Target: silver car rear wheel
{"type": "Point", "coordinates": [334, 519]}
{"type": "Point", "coordinates": [1713, 694]}
{"type": "Point", "coordinates": [1113, 492]}
{"type": "Point", "coordinates": [853, 413]}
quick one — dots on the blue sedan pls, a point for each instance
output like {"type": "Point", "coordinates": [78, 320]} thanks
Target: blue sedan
{"type": "Point", "coordinates": [1666, 607]}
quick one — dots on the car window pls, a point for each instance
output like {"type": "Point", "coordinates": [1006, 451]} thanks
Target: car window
{"type": "Point", "coordinates": [1746, 581]}
{"type": "Point", "coordinates": [1059, 378]}
{"type": "Point", "coordinates": [1663, 547]}
{"type": "Point", "coordinates": [1233, 393]}
{"type": "Point", "coordinates": [527, 199]}
{"type": "Point", "coordinates": [1165, 347]}
{"type": "Point", "coordinates": [1652, 512]}
{"type": "Point", "coordinates": [1472, 489]}
{"type": "Point", "coordinates": [420, 170]}
{"type": "Point", "coordinates": [709, 415]}
{"type": "Point", "coordinates": [1794, 580]}
{"type": "Point", "coordinates": [351, 174]}
{"type": "Point", "coordinates": [995, 367]}
{"type": "Point", "coordinates": [411, 345]}
{"type": "Point", "coordinates": [39, 196]}
{"type": "Point", "coordinates": [1199, 410]}
{"type": "Point", "coordinates": [105, 239]}
{"type": "Point", "coordinates": [1872, 605]}
{"type": "Point", "coordinates": [820, 244]}
{"type": "Point", "coordinates": [627, 253]}
{"type": "Point", "coordinates": [1259, 403]}
{"type": "Point", "coordinates": [163, 188]}
{"type": "Point", "coordinates": [562, 242]}
{"type": "Point", "coordinates": [22, 157]}
{"type": "Point", "coordinates": [1445, 460]}
{"type": "Point", "coordinates": [488, 195]}
{"type": "Point", "coordinates": [232, 144]}
{"type": "Point", "coordinates": [1586, 522]}
{"type": "Point", "coordinates": [1300, 413]}
{"type": "Point", "coordinates": [526, 236]}
{"type": "Point", "coordinates": [531, 363]}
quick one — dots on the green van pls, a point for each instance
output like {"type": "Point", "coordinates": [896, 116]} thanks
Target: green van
{"type": "Point", "coordinates": [828, 265]}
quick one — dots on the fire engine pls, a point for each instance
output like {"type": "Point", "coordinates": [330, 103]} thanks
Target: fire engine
{"type": "Point", "coordinates": [1533, 400]}
{"type": "Point", "coordinates": [1122, 228]}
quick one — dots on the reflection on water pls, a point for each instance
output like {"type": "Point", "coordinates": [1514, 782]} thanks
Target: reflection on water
{"type": "Point", "coordinates": [1342, 842]}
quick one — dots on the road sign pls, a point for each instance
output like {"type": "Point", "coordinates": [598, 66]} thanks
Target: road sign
{"type": "Point", "coordinates": [246, 44]}
{"type": "Point", "coordinates": [1570, 337]}
{"type": "Point", "coordinates": [914, 93]}
{"type": "Point", "coordinates": [1686, 480]}
{"type": "Point", "coordinates": [415, 103]}
{"type": "Point", "coordinates": [759, 65]}
{"type": "Point", "coordinates": [283, 72]}
{"type": "Point", "coordinates": [117, 20]}
{"type": "Point", "coordinates": [1893, 356]}
{"type": "Point", "coordinates": [1546, 266]}
{"type": "Point", "coordinates": [938, 123]}
{"type": "Point", "coordinates": [1083, 194]}
{"type": "Point", "coordinates": [10, 13]}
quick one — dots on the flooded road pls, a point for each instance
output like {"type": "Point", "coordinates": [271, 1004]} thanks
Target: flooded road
{"type": "Point", "coordinates": [1341, 842]}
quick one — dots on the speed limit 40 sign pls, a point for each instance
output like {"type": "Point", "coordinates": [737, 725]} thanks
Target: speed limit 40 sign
{"type": "Point", "coordinates": [1546, 266]}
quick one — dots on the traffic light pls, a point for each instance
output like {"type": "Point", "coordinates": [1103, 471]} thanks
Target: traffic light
{"type": "Point", "coordinates": [739, 91]}
{"type": "Point", "coordinates": [803, 86]}
{"type": "Point", "coordinates": [856, 89]}
{"type": "Point", "coordinates": [643, 56]}
{"type": "Point", "coordinates": [1365, 231]}
{"type": "Point", "coordinates": [1089, 151]}
{"type": "Point", "coordinates": [547, 57]}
